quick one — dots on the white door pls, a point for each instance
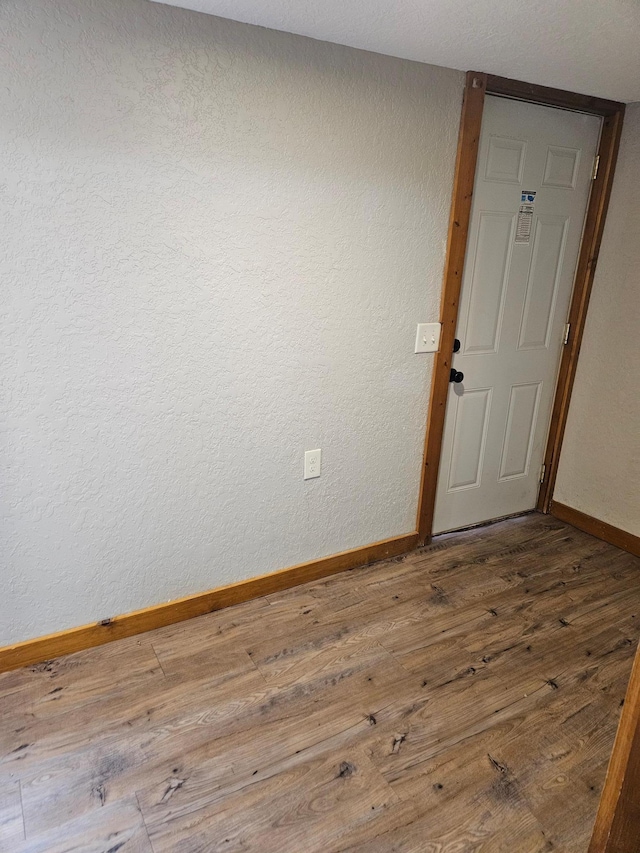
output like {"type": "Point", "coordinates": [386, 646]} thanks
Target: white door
{"type": "Point", "coordinates": [532, 185]}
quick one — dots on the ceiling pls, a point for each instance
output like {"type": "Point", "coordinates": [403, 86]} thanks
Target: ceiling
{"type": "Point", "coordinates": [589, 46]}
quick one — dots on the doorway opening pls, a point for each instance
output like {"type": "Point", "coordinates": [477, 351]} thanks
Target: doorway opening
{"type": "Point", "coordinates": [533, 177]}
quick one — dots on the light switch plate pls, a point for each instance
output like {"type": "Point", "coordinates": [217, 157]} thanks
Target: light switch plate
{"type": "Point", "coordinates": [428, 337]}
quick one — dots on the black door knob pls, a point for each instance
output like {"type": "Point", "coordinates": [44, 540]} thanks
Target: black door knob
{"type": "Point", "coordinates": [456, 345]}
{"type": "Point", "coordinates": [456, 375]}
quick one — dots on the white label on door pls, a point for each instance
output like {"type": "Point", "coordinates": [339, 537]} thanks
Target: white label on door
{"type": "Point", "coordinates": [525, 221]}
{"type": "Point", "coordinates": [528, 197]}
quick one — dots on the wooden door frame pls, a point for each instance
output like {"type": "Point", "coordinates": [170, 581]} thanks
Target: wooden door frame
{"type": "Point", "coordinates": [617, 825]}
{"type": "Point", "coordinates": [477, 86]}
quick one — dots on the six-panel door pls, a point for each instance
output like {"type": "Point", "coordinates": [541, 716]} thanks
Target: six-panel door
{"type": "Point", "coordinates": [531, 191]}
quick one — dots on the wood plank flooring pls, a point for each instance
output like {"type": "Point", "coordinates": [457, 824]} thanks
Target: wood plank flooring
{"type": "Point", "coordinates": [463, 698]}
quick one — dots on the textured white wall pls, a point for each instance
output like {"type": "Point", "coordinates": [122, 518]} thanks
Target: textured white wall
{"type": "Point", "coordinates": [217, 241]}
{"type": "Point", "coordinates": [599, 470]}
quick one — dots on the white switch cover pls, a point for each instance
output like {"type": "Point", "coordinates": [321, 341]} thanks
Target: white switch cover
{"type": "Point", "coordinates": [428, 337]}
{"type": "Point", "coordinates": [312, 463]}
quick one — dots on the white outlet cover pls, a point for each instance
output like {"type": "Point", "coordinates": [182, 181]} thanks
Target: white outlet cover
{"type": "Point", "coordinates": [428, 337]}
{"type": "Point", "coordinates": [312, 464]}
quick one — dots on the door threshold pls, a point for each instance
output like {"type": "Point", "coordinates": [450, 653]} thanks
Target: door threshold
{"type": "Point", "coordinates": [486, 523]}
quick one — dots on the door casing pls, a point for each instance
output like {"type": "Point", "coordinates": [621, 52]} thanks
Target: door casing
{"type": "Point", "coordinates": [479, 84]}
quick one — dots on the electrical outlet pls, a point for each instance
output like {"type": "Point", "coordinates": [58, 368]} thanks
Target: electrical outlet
{"type": "Point", "coordinates": [312, 464]}
{"type": "Point", "coordinates": [428, 337]}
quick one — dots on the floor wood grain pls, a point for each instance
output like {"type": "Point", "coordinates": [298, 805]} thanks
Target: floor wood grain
{"type": "Point", "coordinates": [463, 698]}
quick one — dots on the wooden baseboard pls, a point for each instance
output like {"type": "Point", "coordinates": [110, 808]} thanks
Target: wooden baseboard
{"type": "Point", "coordinates": [600, 529]}
{"type": "Point", "coordinates": [159, 615]}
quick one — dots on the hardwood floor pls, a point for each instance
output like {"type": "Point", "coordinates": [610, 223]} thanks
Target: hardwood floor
{"type": "Point", "coordinates": [463, 698]}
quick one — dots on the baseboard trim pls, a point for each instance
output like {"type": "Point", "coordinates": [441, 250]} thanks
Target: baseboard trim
{"type": "Point", "coordinates": [160, 615]}
{"type": "Point", "coordinates": [600, 529]}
